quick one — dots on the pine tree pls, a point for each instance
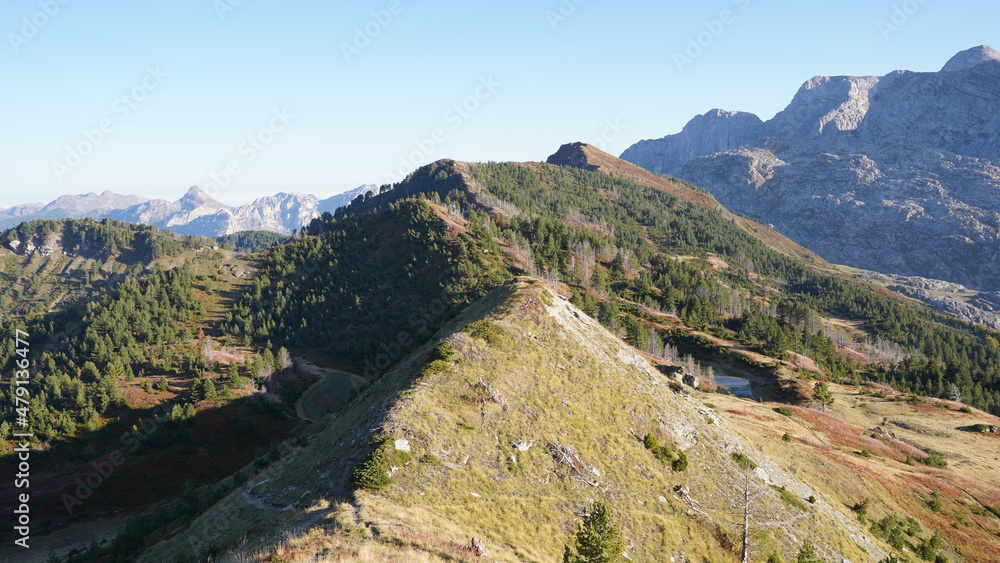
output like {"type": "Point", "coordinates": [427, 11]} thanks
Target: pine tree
{"type": "Point", "coordinates": [608, 314]}
{"type": "Point", "coordinates": [822, 394]}
{"type": "Point", "coordinates": [808, 554]}
{"type": "Point", "coordinates": [208, 390]}
{"type": "Point", "coordinates": [597, 540]}
{"type": "Point", "coordinates": [90, 372]}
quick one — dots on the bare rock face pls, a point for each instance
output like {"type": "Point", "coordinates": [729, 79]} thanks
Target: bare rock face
{"type": "Point", "coordinates": [899, 174]}
{"type": "Point", "coordinates": [715, 131]}
{"type": "Point", "coordinates": [824, 105]}
{"type": "Point", "coordinates": [195, 213]}
{"type": "Point", "coordinates": [970, 58]}
{"type": "Point", "coordinates": [198, 213]}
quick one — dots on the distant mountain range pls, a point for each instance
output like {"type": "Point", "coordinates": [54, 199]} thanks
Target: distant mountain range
{"type": "Point", "coordinates": [898, 173]}
{"type": "Point", "coordinates": [195, 213]}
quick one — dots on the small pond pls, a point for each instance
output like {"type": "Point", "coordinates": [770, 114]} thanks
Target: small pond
{"type": "Point", "coordinates": [735, 385]}
{"type": "Point", "coordinates": [333, 393]}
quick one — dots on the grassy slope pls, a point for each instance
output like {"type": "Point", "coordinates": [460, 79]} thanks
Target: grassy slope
{"type": "Point", "coordinates": [157, 475]}
{"type": "Point", "coordinates": [572, 383]}
{"type": "Point", "coordinates": [824, 450]}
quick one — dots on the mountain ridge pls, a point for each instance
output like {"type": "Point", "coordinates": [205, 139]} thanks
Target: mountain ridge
{"type": "Point", "coordinates": [465, 362]}
{"type": "Point", "coordinates": [196, 212]}
{"type": "Point", "coordinates": [890, 173]}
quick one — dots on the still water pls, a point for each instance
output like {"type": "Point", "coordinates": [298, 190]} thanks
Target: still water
{"type": "Point", "coordinates": [735, 385]}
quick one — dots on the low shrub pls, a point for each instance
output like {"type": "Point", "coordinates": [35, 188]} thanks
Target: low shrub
{"type": "Point", "coordinates": [861, 508]}
{"type": "Point", "coordinates": [443, 351]}
{"type": "Point", "coordinates": [487, 330]}
{"type": "Point", "coordinates": [934, 501]}
{"type": "Point", "coordinates": [790, 498]}
{"type": "Point", "coordinates": [650, 442]}
{"type": "Point", "coordinates": [681, 463]}
{"type": "Point", "coordinates": [374, 472]}
{"type": "Point", "coordinates": [890, 529]}
{"type": "Point", "coordinates": [935, 460]}
{"type": "Point", "coordinates": [743, 461]}
{"type": "Point", "coordinates": [430, 459]}
{"type": "Point", "coordinates": [436, 366]}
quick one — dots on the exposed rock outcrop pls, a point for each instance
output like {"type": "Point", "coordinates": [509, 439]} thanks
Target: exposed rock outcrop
{"type": "Point", "coordinates": [898, 173]}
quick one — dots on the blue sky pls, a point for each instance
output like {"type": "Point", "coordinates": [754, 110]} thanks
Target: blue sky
{"type": "Point", "coordinates": [249, 98]}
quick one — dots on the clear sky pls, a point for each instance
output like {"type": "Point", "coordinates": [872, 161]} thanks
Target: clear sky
{"type": "Point", "coordinates": [322, 96]}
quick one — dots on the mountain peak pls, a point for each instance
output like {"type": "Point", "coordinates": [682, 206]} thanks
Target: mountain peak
{"type": "Point", "coordinates": [196, 197]}
{"type": "Point", "coordinates": [578, 155]}
{"type": "Point", "coordinates": [971, 57]}
{"type": "Point", "coordinates": [195, 191]}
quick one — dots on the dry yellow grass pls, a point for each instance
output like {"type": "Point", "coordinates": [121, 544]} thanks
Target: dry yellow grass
{"type": "Point", "coordinates": [823, 452]}
{"type": "Point", "coordinates": [554, 377]}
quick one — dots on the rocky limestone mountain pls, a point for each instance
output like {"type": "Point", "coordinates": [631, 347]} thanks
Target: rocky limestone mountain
{"type": "Point", "coordinates": [68, 206]}
{"type": "Point", "coordinates": [195, 213]}
{"type": "Point", "coordinates": [331, 204]}
{"type": "Point", "coordinates": [198, 213]}
{"type": "Point", "coordinates": [949, 298]}
{"type": "Point", "coordinates": [898, 173]}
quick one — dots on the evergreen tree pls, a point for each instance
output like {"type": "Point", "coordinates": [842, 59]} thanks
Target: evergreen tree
{"type": "Point", "coordinates": [808, 554]}
{"type": "Point", "coordinates": [597, 540]}
{"type": "Point", "coordinates": [608, 315]}
{"type": "Point", "coordinates": [208, 390]}
{"type": "Point", "coordinates": [822, 394]}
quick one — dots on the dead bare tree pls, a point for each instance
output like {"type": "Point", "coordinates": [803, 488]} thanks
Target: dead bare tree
{"type": "Point", "coordinates": [284, 359]}
{"type": "Point", "coordinates": [745, 503]}
{"type": "Point", "coordinates": [750, 497]}
{"type": "Point", "coordinates": [208, 352]}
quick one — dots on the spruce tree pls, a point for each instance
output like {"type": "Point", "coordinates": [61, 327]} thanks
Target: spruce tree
{"type": "Point", "coordinates": [597, 540]}
{"type": "Point", "coordinates": [208, 389]}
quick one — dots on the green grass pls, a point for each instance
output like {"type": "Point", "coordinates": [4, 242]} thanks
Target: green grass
{"type": "Point", "coordinates": [789, 498]}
